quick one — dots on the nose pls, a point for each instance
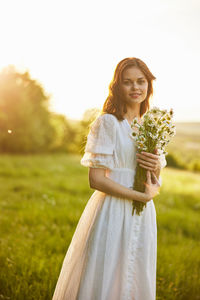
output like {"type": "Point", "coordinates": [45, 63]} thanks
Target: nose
{"type": "Point", "coordinates": [134, 86]}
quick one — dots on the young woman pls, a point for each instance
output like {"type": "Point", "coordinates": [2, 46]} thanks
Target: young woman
{"type": "Point", "coordinates": [112, 255]}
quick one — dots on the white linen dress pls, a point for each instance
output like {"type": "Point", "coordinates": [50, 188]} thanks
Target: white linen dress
{"type": "Point", "coordinates": [112, 255]}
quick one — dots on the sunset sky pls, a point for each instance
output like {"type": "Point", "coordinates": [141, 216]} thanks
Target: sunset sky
{"type": "Point", "coordinates": [73, 47]}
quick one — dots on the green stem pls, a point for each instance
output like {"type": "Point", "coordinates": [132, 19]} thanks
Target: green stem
{"type": "Point", "coordinates": [140, 179]}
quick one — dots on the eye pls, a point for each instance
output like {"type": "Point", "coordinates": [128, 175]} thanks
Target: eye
{"type": "Point", "coordinates": [141, 81]}
{"type": "Point", "coordinates": [126, 82]}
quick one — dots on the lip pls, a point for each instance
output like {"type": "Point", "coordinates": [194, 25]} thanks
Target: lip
{"type": "Point", "coordinates": [135, 95]}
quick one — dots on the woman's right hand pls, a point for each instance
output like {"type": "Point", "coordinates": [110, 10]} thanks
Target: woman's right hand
{"type": "Point", "coordinates": [151, 187]}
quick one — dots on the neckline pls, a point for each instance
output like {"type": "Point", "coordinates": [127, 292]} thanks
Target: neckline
{"type": "Point", "coordinates": [127, 122]}
{"type": "Point", "coordinates": [130, 130]}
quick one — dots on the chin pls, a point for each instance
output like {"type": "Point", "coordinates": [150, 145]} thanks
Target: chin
{"type": "Point", "coordinates": [136, 100]}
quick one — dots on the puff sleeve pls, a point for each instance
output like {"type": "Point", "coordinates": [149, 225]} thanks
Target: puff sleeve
{"type": "Point", "coordinates": [100, 144]}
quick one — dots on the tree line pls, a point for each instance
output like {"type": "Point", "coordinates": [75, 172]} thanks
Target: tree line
{"type": "Point", "coordinates": [28, 126]}
{"type": "Point", "coordinates": [26, 123]}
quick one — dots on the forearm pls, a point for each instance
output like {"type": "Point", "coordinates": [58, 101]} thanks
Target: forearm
{"type": "Point", "coordinates": [110, 187]}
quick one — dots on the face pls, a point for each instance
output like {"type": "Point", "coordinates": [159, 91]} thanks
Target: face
{"type": "Point", "coordinates": [134, 85]}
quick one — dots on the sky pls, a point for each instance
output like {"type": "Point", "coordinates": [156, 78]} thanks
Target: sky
{"type": "Point", "coordinates": [72, 49]}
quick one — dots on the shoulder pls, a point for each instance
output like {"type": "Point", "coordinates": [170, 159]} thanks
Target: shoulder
{"type": "Point", "coordinates": [104, 124]}
{"type": "Point", "coordinates": [102, 135]}
{"type": "Point", "coordinates": [106, 119]}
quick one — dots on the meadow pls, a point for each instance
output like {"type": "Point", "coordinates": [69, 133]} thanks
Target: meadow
{"type": "Point", "coordinates": [185, 146]}
{"type": "Point", "coordinates": [41, 200]}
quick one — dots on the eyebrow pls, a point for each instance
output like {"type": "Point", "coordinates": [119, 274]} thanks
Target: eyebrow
{"type": "Point", "coordinates": [130, 79]}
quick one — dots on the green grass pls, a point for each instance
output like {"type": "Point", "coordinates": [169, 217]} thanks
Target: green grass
{"type": "Point", "coordinates": [185, 145]}
{"type": "Point", "coordinates": [42, 198]}
{"type": "Point", "coordinates": [178, 208]}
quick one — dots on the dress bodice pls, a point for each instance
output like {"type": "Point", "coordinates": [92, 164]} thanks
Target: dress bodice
{"type": "Point", "coordinates": [125, 150]}
{"type": "Point", "coordinates": [110, 145]}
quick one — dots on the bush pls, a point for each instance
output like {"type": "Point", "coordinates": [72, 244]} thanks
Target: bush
{"type": "Point", "coordinates": [174, 161]}
{"type": "Point", "coordinates": [195, 165]}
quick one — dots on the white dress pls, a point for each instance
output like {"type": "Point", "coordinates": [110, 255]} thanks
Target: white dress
{"type": "Point", "coordinates": [112, 255]}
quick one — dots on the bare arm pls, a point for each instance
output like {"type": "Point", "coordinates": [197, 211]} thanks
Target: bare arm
{"type": "Point", "coordinates": [100, 182]}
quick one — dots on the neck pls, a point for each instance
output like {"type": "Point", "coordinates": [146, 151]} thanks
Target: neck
{"type": "Point", "coordinates": [132, 112]}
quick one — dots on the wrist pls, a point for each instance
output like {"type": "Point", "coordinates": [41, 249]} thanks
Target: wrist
{"type": "Point", "coordinates": [140, 196]}
{"type": "Point", "coordinates": [147, 197]}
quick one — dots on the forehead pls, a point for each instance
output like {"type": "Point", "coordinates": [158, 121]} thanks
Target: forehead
{"type": "Point", "coordinates": [132, 73]}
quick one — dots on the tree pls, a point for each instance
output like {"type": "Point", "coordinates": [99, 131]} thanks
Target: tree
{"type": "Point", "coordinates": [88, 117]}
{"type": "Point", "coordinates": [66, 134]}
{"type": "Point", "coordinates": [25, 121]}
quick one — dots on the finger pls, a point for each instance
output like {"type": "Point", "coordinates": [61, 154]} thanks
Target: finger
{"type": "Point", "coordinates": [147, 168]}
{"type": "Point", "coordinates": [151, 155]}
{"type": "Point", "coordinates": [148, 177]}
{"type": "Point", "coordinates": [144, 162]}
{"type": "Point", "coordinates": [155, 178]}
{"type": "Point", "coordinates": [146, 158]}
{"type": "Point", "coordinates": [155, 151]}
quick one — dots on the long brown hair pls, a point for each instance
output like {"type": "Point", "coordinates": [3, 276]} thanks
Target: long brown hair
{"type": "Point", "coordinates": [114, 103]}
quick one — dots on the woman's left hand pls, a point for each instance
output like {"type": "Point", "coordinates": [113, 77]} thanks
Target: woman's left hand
{"type": "Point", "coordinates": [149, 161]}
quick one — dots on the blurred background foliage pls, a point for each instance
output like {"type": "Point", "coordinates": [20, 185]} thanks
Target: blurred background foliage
{"type": "Point", "coordinates": [27, 125]}
{"type": "Point", "coordinates": [42, 196]}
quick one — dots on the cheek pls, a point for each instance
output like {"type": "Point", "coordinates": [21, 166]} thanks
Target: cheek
{"type": "Point", "coordinates": [145, 89]}
{"type": "Point", "coordinates": [125, 89]}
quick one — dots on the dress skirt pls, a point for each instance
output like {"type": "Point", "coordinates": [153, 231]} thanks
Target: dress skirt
{"type": "Point", "coordinates": [112, 255]}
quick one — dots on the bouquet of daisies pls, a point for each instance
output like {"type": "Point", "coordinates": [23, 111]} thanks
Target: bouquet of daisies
{"type": "Point", "coordinates": [153, 133]}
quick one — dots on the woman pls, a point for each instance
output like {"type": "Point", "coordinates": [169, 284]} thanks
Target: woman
{"type": "Point", "coordinates": [112, 255]}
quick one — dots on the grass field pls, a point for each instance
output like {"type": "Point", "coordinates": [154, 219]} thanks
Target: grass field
{"type": "Point", "coordinates": [186, 143]}
{"type": "Point", "coordinates": [41, 200]}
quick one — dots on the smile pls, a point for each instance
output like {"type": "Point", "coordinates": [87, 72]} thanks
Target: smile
{"type": "Point", "coordinates": [134, 95]}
